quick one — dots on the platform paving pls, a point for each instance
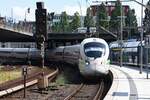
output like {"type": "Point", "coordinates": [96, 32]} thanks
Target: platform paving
{"type": "Point", "coordinates": [129, 84]}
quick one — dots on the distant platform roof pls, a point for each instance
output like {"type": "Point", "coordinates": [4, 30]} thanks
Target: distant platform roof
{"type": "Point", "coordinates": [79, 36]}
{"type": "Point", "coordinates": [107, 35]}
{"type": "Point", "coordinates": [7, 35]}
{"type": "Point", "coordinates": [66, 36]}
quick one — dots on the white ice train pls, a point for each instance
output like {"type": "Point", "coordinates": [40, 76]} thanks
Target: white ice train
{"type": "Point", "coordinates": [90, 56]}
{"type": "Point", "coordinates": [94, 55]}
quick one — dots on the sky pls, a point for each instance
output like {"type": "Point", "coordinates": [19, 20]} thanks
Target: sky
{"type": "Point", "coordinates": [18, 8]}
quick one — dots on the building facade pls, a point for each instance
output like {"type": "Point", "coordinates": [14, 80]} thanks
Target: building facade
{"type": "Point", "coordinates": [109, 9]}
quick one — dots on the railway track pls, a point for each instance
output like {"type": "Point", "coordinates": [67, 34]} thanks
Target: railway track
{"type": "Point", "coordinates": [99, 93]}
{"type": "Point", "coordinates": [87, 92]}
{"type": "Point", "coordinates": [31, 79]}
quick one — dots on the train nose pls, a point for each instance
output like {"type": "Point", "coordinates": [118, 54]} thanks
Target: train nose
{"type": "Point", "coordinates": [88, 70]}
{"type": "Point", "coordinates": [93, 68]}
{"type": "Point", "coordinates": [99, 67]}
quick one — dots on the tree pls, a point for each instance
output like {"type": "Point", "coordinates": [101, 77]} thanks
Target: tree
{"type": "Point", "coordinates": [56, 27]}
{"type": "Point", "coordinates": [75, 22]}
{"type": "Point", "coordinates": [88, 20]}
{"type": "Point", "coordinates": [102, 17]}
{"type": "Point", "coordinates": [131, 22]}
{"type": "Point", "coordinates": [146, 22]}
{"type": "Point", "coordinates": [115, 20]}
{"type": "Point", "coordinates": [64, 24]}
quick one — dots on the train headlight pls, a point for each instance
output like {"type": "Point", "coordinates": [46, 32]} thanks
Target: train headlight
{"type": "Point", "coordinates": [87, 62]}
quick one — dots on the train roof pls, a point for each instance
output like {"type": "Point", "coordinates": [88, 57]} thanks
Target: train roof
{"type": "Point", "coordinates": [127, 44]}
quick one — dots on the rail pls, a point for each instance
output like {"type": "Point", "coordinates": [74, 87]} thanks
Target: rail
{"type": "Point", "coordinates": [74, 92]}
{"type": "Point", "coordinates": [30, 83]}
{"type": "Point", "coordinates": [100, 91]}
{"type": "Point", "coordinates": [97, 96]}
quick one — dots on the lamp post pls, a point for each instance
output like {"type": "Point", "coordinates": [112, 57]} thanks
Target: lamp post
{"type": "Point", "coordinates": [141, 49]}
{"type": "Point", "coordinates": [26, 11]}
{"type": "Point", "coordinates": [12, 13]}
{"type": "Point", "coordinates": [121, 37]}
{"type": "Point", "coordinates": [79, 3]}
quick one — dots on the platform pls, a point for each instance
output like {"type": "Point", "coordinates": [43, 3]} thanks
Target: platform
{"type": "Point", "coordinates": [129, 84]}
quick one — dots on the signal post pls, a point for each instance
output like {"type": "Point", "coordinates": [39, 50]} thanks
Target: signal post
{"type": "Point", "coordinates": [41, 39]}
{"type": "Point", "coordinates": [41, 29]}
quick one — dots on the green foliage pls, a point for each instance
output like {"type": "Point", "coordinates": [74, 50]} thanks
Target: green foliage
{"type": "Point", "coordinates": [64, 24]}
{"type": "Point", "coordinates": [102, 17]}
{"type": "Point", "coordinates": [75, 22]}
{"type": "Point", "coordinates": [88, 20]}
{"type": "Point", "coordinates": [131, 18]}
{"type": "Point", "coordinates": [115, 20]}
{"type": "Point", "coordinates": [131, 22]}
{"type": "Point", "coordinates": [56, 27]}
{"type": "Point", "coordinates": [9, 75]}
{"type": "Point", "coordinates": [61, 80]}
{"type": "Point", "coordinates": [146, 21]}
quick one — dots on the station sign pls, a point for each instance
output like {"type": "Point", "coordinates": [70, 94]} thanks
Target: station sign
{"type": "Point", "coordinates": [24, 70]}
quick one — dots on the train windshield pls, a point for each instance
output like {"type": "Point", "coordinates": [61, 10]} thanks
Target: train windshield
{"type": "Point", "coordinates": [94, 49]}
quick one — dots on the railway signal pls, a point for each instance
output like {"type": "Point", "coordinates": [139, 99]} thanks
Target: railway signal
{"type": "Point", "coordinates": [41, 24]}
{"type": "Point", "coordinates": [41, 29]}
{"type": "Point", "coordinates": [40, 42]}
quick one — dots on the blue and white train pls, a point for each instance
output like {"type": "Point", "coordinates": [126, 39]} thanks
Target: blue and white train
{"type": "Point", "coordinates": [131, 52]}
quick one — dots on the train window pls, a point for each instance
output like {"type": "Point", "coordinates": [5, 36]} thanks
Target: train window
{"type": "Point", "coordinates": [6, 52]}
{"type": "Point", "coordinates": [94, 54]}
{"type": "Point", "coordinates": [94, 49]}
{"type": "Point", "coordinates": [59, 53]}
